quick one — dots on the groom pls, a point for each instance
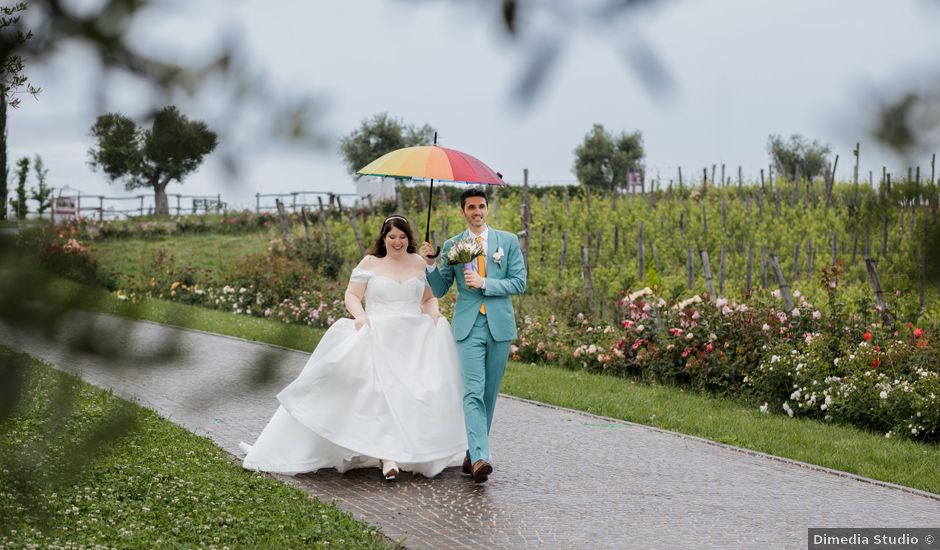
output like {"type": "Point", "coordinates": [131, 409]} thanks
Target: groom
{"type": "Point", "coordinates": [484, 323]}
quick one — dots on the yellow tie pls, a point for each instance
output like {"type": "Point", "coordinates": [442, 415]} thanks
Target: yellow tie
{"type": "Point", "coordinates": [481, 267]}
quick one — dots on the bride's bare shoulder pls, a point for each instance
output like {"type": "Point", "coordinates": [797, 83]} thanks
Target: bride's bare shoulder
{"type": "Point", "coordinates": [367, 261]}
{"type": "Point", "coordinates": [419, 261]}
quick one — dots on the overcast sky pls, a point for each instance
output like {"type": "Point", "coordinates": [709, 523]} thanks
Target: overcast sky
{"type": "Point", "coordinates": [742, 69]}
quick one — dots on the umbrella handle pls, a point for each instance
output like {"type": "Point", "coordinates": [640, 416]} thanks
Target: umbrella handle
{"type": "Point", "coordinates": [436, 254]}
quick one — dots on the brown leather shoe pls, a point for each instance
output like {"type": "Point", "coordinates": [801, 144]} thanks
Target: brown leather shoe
{"type": "Point", "coordinates": [480, 471]}
{"type": "Point", "coordinates": [466, 465]}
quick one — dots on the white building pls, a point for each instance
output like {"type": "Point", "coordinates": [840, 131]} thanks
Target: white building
{"type": "Point", "coordinates": [381, 189]}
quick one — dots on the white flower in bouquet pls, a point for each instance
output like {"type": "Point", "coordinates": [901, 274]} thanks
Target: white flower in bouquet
{"type": "Point", "coordinates": [464, 252]}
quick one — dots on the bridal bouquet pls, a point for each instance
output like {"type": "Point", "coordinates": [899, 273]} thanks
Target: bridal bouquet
{"type": "Point", "coordinates": [464, 252]}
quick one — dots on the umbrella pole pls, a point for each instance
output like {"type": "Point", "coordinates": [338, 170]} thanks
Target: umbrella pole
{"type": "Point", "coordinates": [427, 228]}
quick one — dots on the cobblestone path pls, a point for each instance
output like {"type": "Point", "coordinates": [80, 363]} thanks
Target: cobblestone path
{"type": "Point", "coordinates": [562, 479]}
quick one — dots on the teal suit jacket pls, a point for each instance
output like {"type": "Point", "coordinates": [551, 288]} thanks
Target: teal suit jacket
{"type": "Point", "coordinates": [503, 280]}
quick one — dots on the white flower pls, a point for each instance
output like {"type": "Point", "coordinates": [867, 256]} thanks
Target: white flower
{"type": "Point", "coordinates": [721, 302]}
{"type": "Point", "coordinates": [883, 394]}
{"type": "Point", "coordinates": [764, 408]}
{"type": "Point", "coordinates": [774, 359]}
{"type": "Point", "coordinates": [640, 293]}
{"type": "Point", "coordinates": [639, 328]}
{"type": "Point", "coordinates": [765, 328]}
{"type": "Point", "coordinates": [795, 395]}
{"type": "Point", "coordinates": [817, 314]}
{"type": "Point", "coordinates": [796, 293]}
{"type": "Point", "coordinates": [786, 407]}
{"type": "Point", "coordinates": [776, 294]}
{"type": "Point", "coordinates": [685, 303]}
{"type": "Point", "coordinates": [498, 255]}
{"type": "Point", "coordinates": [795, 312]}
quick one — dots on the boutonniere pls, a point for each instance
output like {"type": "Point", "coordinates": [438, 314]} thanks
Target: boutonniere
{"type": "Point", "coordinates": [498, 255]}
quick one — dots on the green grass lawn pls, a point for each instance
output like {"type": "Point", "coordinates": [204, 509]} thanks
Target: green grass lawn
{"type": "Point", "coordinates": [83, 468]}
{"type": "Point", "coordinates": [842, 448]}
{"type": "Point", "coordinates": [211, 252]}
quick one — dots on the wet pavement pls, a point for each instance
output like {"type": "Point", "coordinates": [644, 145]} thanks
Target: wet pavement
{"type": "Point", "coordinates": [562, 479]}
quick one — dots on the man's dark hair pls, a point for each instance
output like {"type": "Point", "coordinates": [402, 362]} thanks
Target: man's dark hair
{"type": "Point", "coordinates": [472, 192]}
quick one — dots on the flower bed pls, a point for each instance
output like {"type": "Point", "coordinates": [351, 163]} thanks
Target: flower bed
{"type": "Point", "coordinates": [808, 361]}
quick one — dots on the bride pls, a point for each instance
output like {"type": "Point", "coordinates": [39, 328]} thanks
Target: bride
{"type": "Point", "coordinates": [383, 389]}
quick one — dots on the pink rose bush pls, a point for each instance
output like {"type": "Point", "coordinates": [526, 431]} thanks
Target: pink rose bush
{"type": "Point", "coordinates": [805, 360]}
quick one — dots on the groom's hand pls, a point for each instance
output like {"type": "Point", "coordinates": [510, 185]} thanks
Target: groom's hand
{"type": "Point", "coordinates": [426, 252]}
{"type": "Point", "coordinates": [473, 279]}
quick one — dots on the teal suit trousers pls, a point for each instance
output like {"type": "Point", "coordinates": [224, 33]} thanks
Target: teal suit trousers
{"type": "Point", "coordinates": [484, 363]}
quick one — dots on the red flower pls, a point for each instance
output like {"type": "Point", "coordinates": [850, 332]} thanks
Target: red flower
{"type": "Point", "coordinates": [910, 324]}
{"type": "Point", "coordinates": [875, 363]}
{"type": "Point", "coordinates": [918, 332]}
{"type": "Point", "coordinates": [922, 344]}
{"type": "Point", "coordinates": [867, 336]}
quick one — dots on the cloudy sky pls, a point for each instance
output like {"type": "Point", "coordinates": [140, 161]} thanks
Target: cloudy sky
{"type": "Point", "coordinates": [740, 70]}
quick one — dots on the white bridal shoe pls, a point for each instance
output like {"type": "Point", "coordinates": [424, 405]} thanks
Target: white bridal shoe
{"type": "Point", "coordinates": [389, 470]}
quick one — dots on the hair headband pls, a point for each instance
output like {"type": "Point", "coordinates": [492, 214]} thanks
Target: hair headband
{"type": "Point", "coordinates": [393, 217]}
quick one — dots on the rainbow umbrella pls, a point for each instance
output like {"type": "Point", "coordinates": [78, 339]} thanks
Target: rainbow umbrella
{"type": "Point", "coordinates": [432, 162]}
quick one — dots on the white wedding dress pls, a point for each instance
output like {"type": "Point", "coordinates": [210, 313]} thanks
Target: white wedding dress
{"type": "Point", "coordinates": [391, 390]}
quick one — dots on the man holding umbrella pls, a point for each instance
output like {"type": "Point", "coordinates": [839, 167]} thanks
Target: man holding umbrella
{"type": "Point", "coordinates": [484, 321]}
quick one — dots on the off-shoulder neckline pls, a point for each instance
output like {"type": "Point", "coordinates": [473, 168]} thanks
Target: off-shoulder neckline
{"type": "Point", "coordinates": [374, 274]}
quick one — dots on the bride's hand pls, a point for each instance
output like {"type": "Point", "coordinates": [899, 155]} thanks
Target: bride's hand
{"type": "Point", "coordinates": [362, 320]}
{"type": "Point", "coordinates": [436, 317]}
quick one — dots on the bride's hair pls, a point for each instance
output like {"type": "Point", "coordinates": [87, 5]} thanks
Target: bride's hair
{"type": "Point", "coordinates": [393, 222]}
